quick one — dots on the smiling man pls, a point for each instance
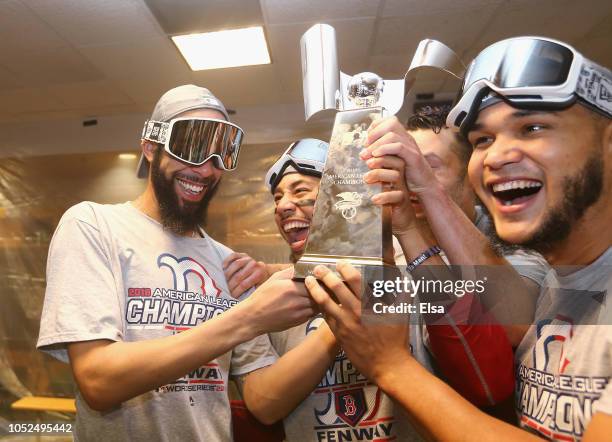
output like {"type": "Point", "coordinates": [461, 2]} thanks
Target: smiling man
{"type": "Point", "coordinates": [138, 304]}
{"type": "Point", "coordinates": [538, 115]}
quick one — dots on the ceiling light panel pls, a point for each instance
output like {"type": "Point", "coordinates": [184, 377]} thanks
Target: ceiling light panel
{"type": "Point", "coordinates": [224, 49]}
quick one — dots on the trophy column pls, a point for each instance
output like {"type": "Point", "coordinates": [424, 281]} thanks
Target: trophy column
{"type": "Point", "coordinates": [346, 224]}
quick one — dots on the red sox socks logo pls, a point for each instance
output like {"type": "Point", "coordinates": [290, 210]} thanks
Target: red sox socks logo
{"type": "Point", "coordinates": [185, 268]}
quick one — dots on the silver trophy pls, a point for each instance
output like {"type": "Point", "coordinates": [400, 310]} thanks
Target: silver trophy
{"type": "Point", "coordinates": [345, 223]}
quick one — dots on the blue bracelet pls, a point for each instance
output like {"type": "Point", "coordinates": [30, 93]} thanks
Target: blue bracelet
{"type": "Point", "coordinates": [422, 257]}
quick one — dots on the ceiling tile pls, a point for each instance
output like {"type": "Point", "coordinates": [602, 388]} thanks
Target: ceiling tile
{"type": "Point", "coordinates": [407, 8]}
{"type": "Point", "coordinates": [89, 95]}
{"type": "Point", "coordinates": [152, 58]}
{"type": "Point", "coordinates": [8, 80]}
{"type": "Point", "coordinates": [313, 11]}
{"type": "Point", "coordinates": [565, 20]}
{"type": "Point", "coordinates": [58, 66]}
{"type": "Point", "coordinates": [28, 100]}
{"type": "Point", "coordinates": [189, 16]}
{"type": "Point", "coordinates": [22, 31]}
{"type": "Point", "coordinates": [401, 35]}
{"type": "Point", "coordinates": [97, 22]}
{"type": "Point", "coordinates": [244, 86]}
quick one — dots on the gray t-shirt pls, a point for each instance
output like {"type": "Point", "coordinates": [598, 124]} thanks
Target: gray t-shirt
{"type": "Point", "coordinates": [114, 273]}
{"type": "Point", "coordinates": [564, 363]}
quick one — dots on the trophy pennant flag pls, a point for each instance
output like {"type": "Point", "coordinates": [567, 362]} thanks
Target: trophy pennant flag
{"type": "Point", "coordinates": [346, 224]}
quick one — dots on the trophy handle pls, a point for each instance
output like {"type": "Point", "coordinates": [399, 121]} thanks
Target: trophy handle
{"type": "Point", "coordinates": [430, 54]}
{"type": "Point", "coordinates": [320, 73]}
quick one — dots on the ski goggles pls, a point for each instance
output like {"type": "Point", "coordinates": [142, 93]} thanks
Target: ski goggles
{"type": "Point", "coordinates": [196, 140]}
{"type": "Point", "coordinates": [306, 156]}
{"type": "Point", "coordinates": [531, 73]}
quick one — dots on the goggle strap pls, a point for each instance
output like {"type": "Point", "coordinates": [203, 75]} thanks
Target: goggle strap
{"type": "Point", "coordinates": [156, 131]}
{"type": "Point", "coordinates": [595, 86]}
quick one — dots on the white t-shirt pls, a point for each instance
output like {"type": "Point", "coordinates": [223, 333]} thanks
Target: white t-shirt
{"type": "Point", "coordinates": [113, 273]}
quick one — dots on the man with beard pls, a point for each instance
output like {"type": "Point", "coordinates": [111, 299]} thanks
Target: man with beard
{"type": "Point", "coordinates": [538, 115]}
{"type": "Point", "coordinates": [137, 303]}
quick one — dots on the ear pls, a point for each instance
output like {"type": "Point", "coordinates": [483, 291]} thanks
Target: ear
{"type": "Point", "coordinates": [148, 149]}
{"type": "Point", "coordinates": [607, 137]}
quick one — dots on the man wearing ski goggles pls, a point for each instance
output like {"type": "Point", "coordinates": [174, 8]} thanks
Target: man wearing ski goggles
{"type": "Point", "coordinates": [148, 270]}
{"type": "Point", "coordinates": [538, 117]}
{"type": "Point", "coordinates": [531, 73]}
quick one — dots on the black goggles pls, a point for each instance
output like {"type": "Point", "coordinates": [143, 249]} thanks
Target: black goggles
{"type": "Point", "coordinates": [194, 140]}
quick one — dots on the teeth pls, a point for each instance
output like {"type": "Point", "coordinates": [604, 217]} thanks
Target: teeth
{"type": "Point", "coordinates": [294, 225]}
{"type": "Point", "coordinates": [194, 188]}
{"type": "Point", "coordinates": [516, 184]}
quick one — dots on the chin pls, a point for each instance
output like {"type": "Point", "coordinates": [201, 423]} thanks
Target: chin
{"type": "Point", "coordinates": [515, 233]}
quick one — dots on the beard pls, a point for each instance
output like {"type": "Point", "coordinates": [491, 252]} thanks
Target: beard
{"type": "Point", "coordinates": [580, 191]}
{"type": "Point", "coordinates": [175, 218]}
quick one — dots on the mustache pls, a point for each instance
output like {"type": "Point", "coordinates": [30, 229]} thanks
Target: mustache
{"type": "Point", "coordinates": [195, 178]}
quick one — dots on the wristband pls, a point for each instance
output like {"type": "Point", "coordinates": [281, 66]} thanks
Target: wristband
{"type": "Point", "coordinates": [422, 257]}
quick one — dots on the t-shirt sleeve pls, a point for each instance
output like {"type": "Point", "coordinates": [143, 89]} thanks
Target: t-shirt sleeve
{"type": "Point", "coordinates": [252, 355]}
{"type": "Point", "coordinates": [604, 404]}
{"type": "Point", "coordinates": [81, 302]}
{"type": "Point", "coordinates": [529, 265]}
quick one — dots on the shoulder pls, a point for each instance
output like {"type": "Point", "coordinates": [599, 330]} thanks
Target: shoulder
{"type": "Point", "coordinates": [529, 264]}
{"type": "Point", "coordinates": [224, 251]}
{"type": "Point", "coordinates": [89, 212]}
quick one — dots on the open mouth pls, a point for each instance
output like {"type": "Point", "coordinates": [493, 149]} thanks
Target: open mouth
{"type": "Point", "coordinates": [515, 192]}
{"type": "Point", "coordinates": [296, 233]}
{"type": "Point", "coordinates": [190, 190]}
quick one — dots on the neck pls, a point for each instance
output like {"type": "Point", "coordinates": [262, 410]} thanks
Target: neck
{"type": "Point", "coordinates": [588, 240]}
{"type": "Point", "coordinates": [147, 203]}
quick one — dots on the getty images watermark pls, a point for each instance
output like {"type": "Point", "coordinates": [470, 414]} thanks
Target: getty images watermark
{"type": "Point", "coordinates": [423, 290]}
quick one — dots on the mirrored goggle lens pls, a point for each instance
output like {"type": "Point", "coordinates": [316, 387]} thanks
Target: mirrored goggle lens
{"type": "Point", "coordinates": [309, 149]}
{"type": "Point", "coordinates": [521, 63]}
{"type": "Point", "coordinates": [194, 141]}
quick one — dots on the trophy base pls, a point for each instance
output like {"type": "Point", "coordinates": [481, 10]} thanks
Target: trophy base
{"type": "Point", "coordinates": [306, 264]}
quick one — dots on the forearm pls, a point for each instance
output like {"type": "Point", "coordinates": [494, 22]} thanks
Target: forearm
{"type": "Point", "coordinates": [457, 235]}
{"type": "Point", "coordinates": [426, 398]}
{"type": "Point", "coordinates": [275, 391]}
{"type": "Point", "coordinates": [507, 296]}
{"type": "Point", "coordinates": [110, 373]}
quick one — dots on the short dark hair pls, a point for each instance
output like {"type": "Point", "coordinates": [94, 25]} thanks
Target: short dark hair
{"type": "Point", "coordinates": [434, 118]}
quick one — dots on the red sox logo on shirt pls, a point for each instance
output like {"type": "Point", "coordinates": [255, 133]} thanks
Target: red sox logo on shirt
{"type": "Point", "coordinates": [184, 268]}
{"type": "Point", "coordinates": [551, 334]}
{"type": "Point", "coordinates": [350, 405]}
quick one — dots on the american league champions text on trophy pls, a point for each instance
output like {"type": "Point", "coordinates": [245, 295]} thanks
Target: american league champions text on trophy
{"type": "Point", "coordinates": [346, 224]}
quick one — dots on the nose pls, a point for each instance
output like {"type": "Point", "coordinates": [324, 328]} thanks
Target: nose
{"type": "Point", "coordinates": [501, 152]}
{"type": "Point", "coordinates": [285, 206]}
{"type": "Point", "coordinates": [207, 169]}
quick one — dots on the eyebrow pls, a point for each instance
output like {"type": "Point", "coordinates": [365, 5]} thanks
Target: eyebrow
{"type": "Point", "coordinates": [519, 114]}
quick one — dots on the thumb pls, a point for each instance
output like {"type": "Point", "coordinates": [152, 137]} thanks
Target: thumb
{"type": "Point", "coordinates": [283, 274]}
